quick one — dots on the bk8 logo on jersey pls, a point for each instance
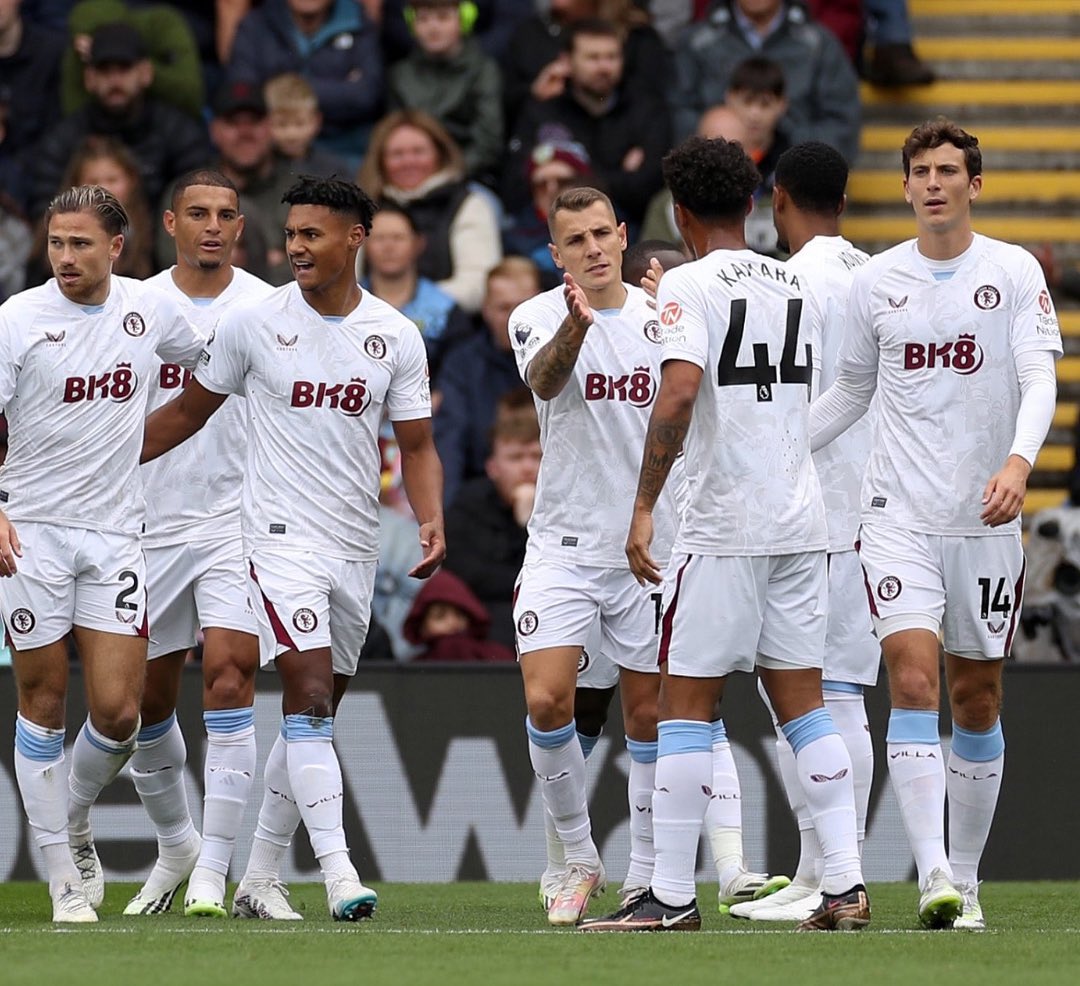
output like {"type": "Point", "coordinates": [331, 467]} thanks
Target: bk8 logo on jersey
{"type": "Point", "coordinates": [173, 375]}
{"type": "Point", "coordinates": [637, 388]}
{"type": "Point", "coordinates": [350, 398]}
{"type": "Point", "coordinates": [117, 385]}
{"type": "Point", "coordinates": [965, 356]}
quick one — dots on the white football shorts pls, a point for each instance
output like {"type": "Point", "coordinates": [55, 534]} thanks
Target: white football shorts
{"type": "Point", "coordinates": [733, 613]}
{"type": "Point", "coordinates": [201, 584]}
{"type": "Point", "coordinates": [557, 603]}
{"type": "Point", "coordinates": [596, 669]}
{"type": "Point", "coordinates": [304, 600]}
{"type": "Point", "coordinates": [968, 589]}
{"type": "Point", "coordinates": [70, 576]}
{"type": "Point", "coordinates": [852, 652]}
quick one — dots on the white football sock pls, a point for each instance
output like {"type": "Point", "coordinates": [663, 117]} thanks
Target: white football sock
{"type": "Point", "coordinates": [848, 711]}
{"type": "Point", "coordinates": [278, 817]}
{"type": "Point", "coordinates": [95, 762]}
{"type": "Point", "coordinates": [824, 771]}
{"type": "Point", "coordinates": [157, 770]}
{"type": "Point", "coordinates": [639, 790]}
{"type": "Point", "coordinates": [917, 772]}
{"type": "Point", "coordinates": [559, 765]}
{"type": "Point", "coordinates": [681, 798]}
{"type": "Point", "coordinates": [230, 768]}
{"type": "Point", "coordinates": [315, 776]}
{"type": "Point", "coordinates": [723, 816]}
{"type": "Point", "coordinates": [975, 768]}
{"type": "Point", "coordinates": [42, 780]}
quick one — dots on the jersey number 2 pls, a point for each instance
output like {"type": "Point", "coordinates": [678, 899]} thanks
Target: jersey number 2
{"type": "Point", "coordinates": [761, 374]}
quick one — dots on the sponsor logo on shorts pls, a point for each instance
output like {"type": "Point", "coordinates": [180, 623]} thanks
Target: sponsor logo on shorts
{"type": "Point", "coordinates": [879, 501]}
{"type": "Point", "coordinates": [277, 528]}
{"type": "Point", "coordinates": [987, 297]}
{"type": "Point", "coordinates": [583, 661]}
{"type": "Point", "coordinates": [134, 324]}
{"type": "Point", "coordinates": [305, 620]}
{"type": "Point", "coordinates": [996, 629]}
{"type": "Point", "coordinates": [22, 620]}
{"type": "Point", "coordinates": [375, 347]}
{"type": "Point", "coordinates": [126, 616]}
{"type": "Point", "coordinates": [527, 623]}
{"type": "Point", "coordinates": [889, 588]}
{"type": "Point", "coordinates": [652, 331]}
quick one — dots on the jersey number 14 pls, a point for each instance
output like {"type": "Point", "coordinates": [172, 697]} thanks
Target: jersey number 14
{"type": "Point", "coordinates": [761, 374]}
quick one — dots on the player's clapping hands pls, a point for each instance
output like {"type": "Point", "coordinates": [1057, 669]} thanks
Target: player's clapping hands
{"type": "Point", "coordinates": [651, 280]}
{"type": "Point", "coordinates": [1003, 498]}
{"type": "Point", "coordinates": [638, 542]}
{"type": "Point", "coordinates": [10, 548]}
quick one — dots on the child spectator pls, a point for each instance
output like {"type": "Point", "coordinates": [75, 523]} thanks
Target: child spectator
{"type": "Point", "coordinates": [449, 76]}
{"type": "Point", "coordinates": [756, 94]}
{"type": "Point", "coordinates": [452, 624]}
{"type": "Point", "coordinates": [295, 122]}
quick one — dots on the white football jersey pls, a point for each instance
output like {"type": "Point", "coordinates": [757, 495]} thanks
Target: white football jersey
{"type": "Point", "coordinates": [316, 389]}
{"type": "Point", "coordinates": [947, 391]}
{"type": "Point", "coordinates": [748, 322]}
{"type": "Point", "coordinates": [193, 492]}
{"type": "Point", "coordinates": [593, 433]}
{"type": "Point", "coordinates": [827, 265]}
{"type": "Point", "coordinates": [74, 382]}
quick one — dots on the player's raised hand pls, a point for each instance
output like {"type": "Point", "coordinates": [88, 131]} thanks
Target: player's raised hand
{"type": "Point", "coordinates": [638, 542]}
{"type": "Point", "coordinates": [1003, 498]}
{"type": "Point", "coordinates": [576, 302]}
{"type": "Point", "coordinates": [434, 545]}
{"type": "Point", "coordinates": [10, 548]}
{"type": "Point", "coordinates": [650, 281]}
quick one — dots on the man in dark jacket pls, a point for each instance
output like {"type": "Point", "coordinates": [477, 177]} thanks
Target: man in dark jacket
{"type": "Point", "coordinates": [165, 141]}
{"type": "Point", "coordinates": [29, 78]}
{"type": "Point", "coordinates": [625, 134]}
{"type": "Point", "coordinates": [476, 373]}
{"type": "Point", "coordinates": [822, 89]}
{"type": "Point", "coordinates": [488, 516]}
{"type": "Point", "coordinates": [330, 43]}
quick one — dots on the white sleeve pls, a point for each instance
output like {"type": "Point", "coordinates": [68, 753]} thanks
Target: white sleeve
{"type": "Point", "coordinates": [684, 327]}
{"type": "Point", "coordinates": [9, 360]}
{"type": "Point", "coordinates": [181, 341]}
{"type": "Point", "coordinates": [1035, 323]}
{"type": "Point", "coordinates": [1038, 398]}
{"type": "Point", "coordinates": [409, 394]}
{"type": "Point", "coordinates": [530, 326]}
{"type": "Point", "coordinates": [224, 362]}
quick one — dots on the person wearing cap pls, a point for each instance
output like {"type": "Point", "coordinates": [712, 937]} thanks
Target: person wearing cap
{"type": "Point", "coordinates": [552, 167]}
{"type": "Point", "coordinates": [331, 43]}
{"type": "Point", "coordinates": [165, 141]}
{"type": "Point", "coordinates": [170, 46]}
{"type": "Point", "coordinates": [624, 132]}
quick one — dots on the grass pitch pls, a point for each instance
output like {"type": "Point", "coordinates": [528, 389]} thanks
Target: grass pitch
{"type": "Point", "coordinates": [496, 933]}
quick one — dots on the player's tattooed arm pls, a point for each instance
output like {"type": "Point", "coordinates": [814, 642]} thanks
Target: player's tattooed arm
{"type": "Point", "coordinates": [663, 444]}
{"type": "Point", "coordinates": [551, 367]}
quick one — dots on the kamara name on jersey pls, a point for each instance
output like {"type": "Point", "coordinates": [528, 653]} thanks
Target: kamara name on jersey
{"type": "Point", "coordinates": [739, 270]}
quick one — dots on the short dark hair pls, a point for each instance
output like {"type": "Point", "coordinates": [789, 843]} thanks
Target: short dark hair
{"type": "Point", "coordinates": [576, 199]}
{"type": "Point", "coordinates": [758, 75]}
{"type": "Point", "coordinates": [591, 27]}
{"type": "Point", "coordinates": [393, 209]}
{"type": "Point", "coordinates": [713, 179]}
{"type": "Point", "coordinates": [635, 261]}
{"type": "Point", "coordinates": [201, 176]}
{"type": "Point", "coordinates": [91, 198]}
{"type": "Point", "coordinates": [337, 195]}
{"type": "Point", "coordinates": [515, 418]}
{"type": "Point", "coordinates": [934, 133]}
{"type": "Point", "coordinates": [814, 175]}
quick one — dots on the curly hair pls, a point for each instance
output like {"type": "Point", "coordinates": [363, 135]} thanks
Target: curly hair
{"type": "Point", "coordinates": [713, 179]}
{"type": "Point", "coordinates": [337, 195]}
{"type": "Point", "coordinates": [814, 175]}
{"type": "Point", "coordinates": [934, 133]}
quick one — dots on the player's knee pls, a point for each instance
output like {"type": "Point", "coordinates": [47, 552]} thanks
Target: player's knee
{"type": "Point", "coordinates": [45, 708]}
{"type": "Point", "coordinates": [913, 688]}
{"type": "Point", "coordinates": [118, 720]}
{"type": "Point", "coordinates": [639, 721]}
{"type": "Point", "coordinates": [975, 705]}
{"type": "Point", "coordinates": [227, 687]}
{"type": "Point", "coordinates": [156, 707]}
{"type": "Point", "coordinates": [550, 710]}
{"type": "Point", "coordinates": [310, 697]}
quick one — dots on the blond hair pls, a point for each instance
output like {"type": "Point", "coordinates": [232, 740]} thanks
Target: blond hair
{"type": "Point", "coordinates": [371, 177]}
{"type": "Point", "coordinates": [289, 92]}
{"type": "Point", "coordinates": [516, 268]}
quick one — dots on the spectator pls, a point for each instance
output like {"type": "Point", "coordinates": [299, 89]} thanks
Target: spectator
{"type": "Point", "coordinates": [29, 79]}
{"type": "Point", "coordinates": [623, 132]}
{"type": "Point", "coordinates": [449, 76]}
{"type": "Point", "coordinates": [822, 89]}
{"type": "Point", "coordinates": [552, 168]}
{"type": "Point", "coordinates": [487, 519]}
{"type": "Point", "coordinates": [164, 140]}
{"type": "Point", "coordinates": [413, 162]}
{"type": "Point", "coordinates": [390, 255]}
{"type": "Point", "coordinates": [295, 121]}
{"type": "Point", "coordinates": [333, 45]}
{"type": "Point", "coordinates": [756, 94]}
{"type": "Point", "coordinates": [496, 21]}
{"type": "Point", "coordinates": [536, 63]}
{"type": "Point", "coordinates": [240, 130]}
{"type": "Point", "coordinates": [451, 623]}
{"type": "Point", "coordinates": [170, 48]}
{"type": "Point", "coordinates": [477, 373]}
{"type": "Point", "coordinates": [1062, 279]}
{"type": "Point", "coordinates": [105, 161]}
